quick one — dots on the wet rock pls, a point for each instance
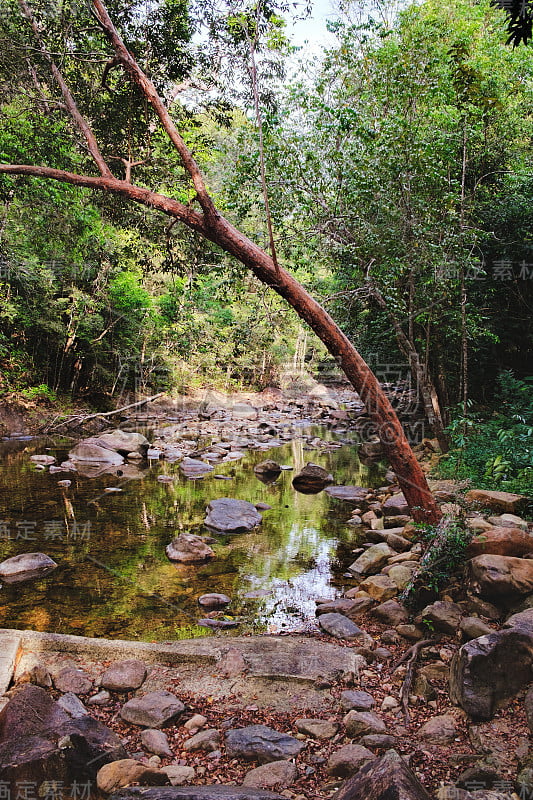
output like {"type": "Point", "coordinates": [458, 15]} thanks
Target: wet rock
{"type": "Point", "coordinates": [153, 710]}
{"type": "Point", "coordinates": [91, 452]}
{"type": "Point", "coordinates": [214, 600]}
{"type": "Point", "coordinates": [194, 468]}
{"type": "Point", "coordinates": [123, 676]}
{"type": "Point", "coordinates": [276, 775]}
{"type": "Point", "coordinates": [443, 615]}
{"type": "Point", "coordinates": [391, 612]}
{"type": "Point", "coordinates": [220, 624]}
{"type": "Point", "coordinates": [379, 587]}
{"type": "Point", "coordinates": [42, 459]}
{"type": "Point", "coordinates": [178, 775]}
{"type": "Point", "coordinates": [501, 578]}
{"type": "Point", "coordinates": [312, 479]}
{"type": "Point", "coordinates": [126, 771]}
{"type": "Point", "coordinates": [388, 776]}
{"type": "Point", "coordinates": [502, 541]}
{"type": "Point", "coordinates": [439, 730]}
{"type": "Point", "coordinates": [73, 680]}
{"type": "Point", "coordinates": [498, 501]}
{"type": "Point", "coordinates": [268, 469]}
{"type": "Point", "coordinates": [361, 723]}
{"type": "Point", "coordinates": [260, 743]}
{"type": "Point", "coordinates": [207, 741]}
{"type": "Point", "coordinates": [232, 516]}
{"type": "Point", "coordinates": [486, 672]}
{"type": "Point", "coordinates": [124, 442]}
{"type": "Point", "coordinates": [189, 549]}
{"type": "Point", "coordinates": [316, 728]}
{"type": "Point", "coordinates": [346, 761]}
{"type": "Point", "coordinates": [25, 567]}
{"type": "Point", "coordinates": [70, 703]}
{"type": "Point", "coordinates": [474, 627]}
{"type": "Point", "coordinates": [372, 560]}
{"type": "Point", "coordinates": [339, 626]}
{"type": "Point", "coordinates": [156, 741]}
{"type": "Point", "coordinates": [350, 494]}
{"type": "Point", "coordinates": [357, 699]}
{"type": "Point", "coordinates": [395, 506]}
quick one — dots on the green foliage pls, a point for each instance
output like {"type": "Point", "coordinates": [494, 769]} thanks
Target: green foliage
{"type": "Point", "coordinates": [42, 393]}
{"type": "Point", "coordinates": [445, 549]}
{"type": "Point", "coordinates": [494, 450]}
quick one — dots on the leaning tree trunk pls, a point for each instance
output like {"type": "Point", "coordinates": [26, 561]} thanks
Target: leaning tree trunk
{"type": "Point", "coordinates": [212, 225]}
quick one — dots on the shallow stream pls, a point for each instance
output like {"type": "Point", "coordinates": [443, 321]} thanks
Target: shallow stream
{"type": "Point", "coordinates": [114, 579]}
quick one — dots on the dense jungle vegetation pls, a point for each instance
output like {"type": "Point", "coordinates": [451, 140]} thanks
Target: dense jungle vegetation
{"type": "Point", "coordinates": [398, 167]}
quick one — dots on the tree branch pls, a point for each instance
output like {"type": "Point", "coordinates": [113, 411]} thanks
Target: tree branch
{"type": "Point", "coordinates": [139, 194]}
{"type": "Point", "coordinates": [149, 91]}
{"type": "Point", "coordinates": [69, 100]}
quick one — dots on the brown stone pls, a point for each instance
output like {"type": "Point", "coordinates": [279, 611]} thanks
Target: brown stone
{"type": "Point", "coordinates": [501, 541]}
{"type": "Point", "coordinates": [127, 771]}
{"type": "Point", "coordinates": [381, 779]}
{"type": "Point", "coordinates": [498, 501]}
{"type": "Point", "coordinates": [501, 578]}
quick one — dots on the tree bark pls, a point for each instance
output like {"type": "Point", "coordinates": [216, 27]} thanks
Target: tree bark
{"type": "Point", "coordinates": [213, 226]}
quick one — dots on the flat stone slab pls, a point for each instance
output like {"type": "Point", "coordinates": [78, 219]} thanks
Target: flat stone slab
{"type": "Point", "coordinates": [275, 658]}
{"type": "Point", "coordinates": [214, 792]}
{"type": "Point", "coordinates": [9, 647]}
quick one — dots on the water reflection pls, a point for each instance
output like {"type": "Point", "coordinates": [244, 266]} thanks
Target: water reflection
{"type": "Point", "coordinates": [114, 578]}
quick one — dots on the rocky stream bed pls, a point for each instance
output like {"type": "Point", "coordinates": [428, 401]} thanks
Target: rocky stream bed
{"type": "Point", "coordinates": [377, 700]}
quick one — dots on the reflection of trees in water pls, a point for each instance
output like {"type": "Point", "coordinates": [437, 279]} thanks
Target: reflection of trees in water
{"type": "Point", "coordinates": [292, 553]}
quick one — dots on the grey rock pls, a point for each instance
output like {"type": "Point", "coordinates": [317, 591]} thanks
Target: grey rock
{"type": "Point", "coordinates": [378, 741]}
{"type": "Point", "coordinates": [474, 627]}
{"type": "Point", "coordinates": [91, 452]}
{"type": "Point", "coordinates": [156, 741]}
{"type": "Point", "coordinates": [391, 612]}
{"type": "Point", "coordinates": [361, 723]}
{"type": "Point", "coordinates": [357, 700]}
{"type": "Point", "coordinates": [260, 743]}
{"type": "Point", "coordinates": [339, 626]}
{"type": "Point", "coordinates": [194, 468]}
{"type": "Point", "coordinates": [350, 494]}
{"type": "Point", "coordinates": [207, 740]}
{"type": "Point", "coordinates": [73, 680]}
{"type": "Point", "coordinates": [70, 703]}
{"type": "Point", "coordinates": [522, 619]}
{"type": "Point", "coordinates": [491, 669]}
{"type": "Point", "coordinates": [276, 775]}
{"type": "Point", "coordinates": [439, 730]}
{"type": "Point", "coordinates": [123, 676]}
{"type": "Point", "coordinates": [346, 761]}
{"type": "Point", "coordinates": [99, 699]}
{"type": "Point", "coordinates": [179, 775]}
{"type": "Point", "coordinates": [153, 710]}
{"type": "Point", "coordinates": [25, 567]}
{"type": "Point", "coordinates": [124, 442]}
{"type": "Point", "coordinates": [189, 549]}
{"type": "Point", "coordinates": [395, 505]}
{"type": "Point", "coordinates": [385, 777]}
{"type": "Point", "coordinates": [316, 728]}
{"type": "Point", "coordinates": [372, 560]}
{"type": "Point", "coordinates": [214, 792]}
{"type": "Point", "coordinates": [445, 616]}
{"type": "Point", "coordinates": [214, 600]}
{"type": "Point", "coordinates": [232, 516]}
